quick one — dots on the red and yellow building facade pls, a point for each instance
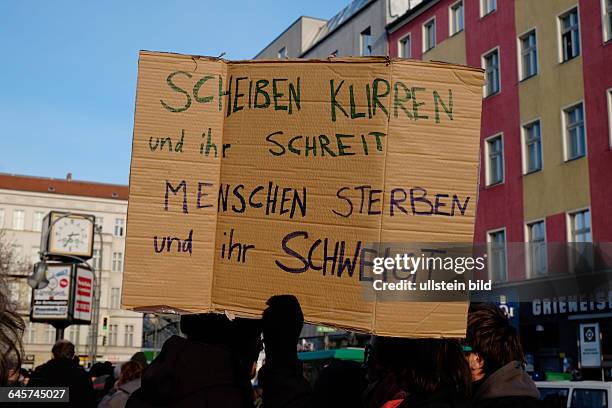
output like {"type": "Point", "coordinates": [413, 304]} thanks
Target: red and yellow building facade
{"type": "Point", "coordinates": [548, 66]}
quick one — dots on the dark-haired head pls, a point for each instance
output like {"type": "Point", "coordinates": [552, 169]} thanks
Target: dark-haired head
{"type": "Point", "coordinates": [493, 341]}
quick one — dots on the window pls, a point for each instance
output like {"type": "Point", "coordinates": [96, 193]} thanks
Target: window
{"type": "Point", "coordinates": [575, 141]}
{"type": "Point", "coordinates": [30, 333]}
{"type": "Point", "coordinates": [532, 139]}
{"type": "Point", "coordinates": [537, 254]}
{"type": "Point", "coordinates": [282, 53]}
{"type": "Point", "coordinates": [117, 262]}
{"type": "Point", "coordinates": [589, 398]}
{"type": "Point", "coordinates": [529, 55]}
{"type": "Point", "coordinates": [34, 254]}
{"type": "Point", "coordinates": [366, 42]}
{"type": "Point", "coordinates": [73, 334]}
{"type": "Point", "coordinates": [497, 255]}
{"type": "Point", "coordinates": [37, 220]}
{"type": "Point", "coordinates": [112, 334]}
{"type": "Point", "coordinates": [115, 299]}
{"type": "Point", "coordinates": [129, 335]}
{"type": "Point", "coordinates": [491, 67]}
{"type": "Point", "coordinates": [429, 35]}
{"type": "Point", "coordinates": [487, 6]}
{"type": "Point", "coordinates": [2, 214]}
{"type": "Point", "coordinates": [96, 262]}
{"type": "Point", "coordinates": [580, 226]}
{"type": "Point", "coordinates": [18, 219]}
{"type": "Point", "coordinates": [456, 17]}
{"type": "Point", "coordinates": [49, 334]}
{"type": "Point", "coordinates": [607, 19]}
{"type": "Point", "coordinates": [405, 44]}
{"type": "Point", "coordinates": [99, 223]}
{"type": "Point", "coordinates": [118, 231]}
{"type": "Point", "coordinates": [554, 395]}
{"type": "Point", "coordinates": [570, 35]}
{"type": "Point", "coordinates": [495, 160]}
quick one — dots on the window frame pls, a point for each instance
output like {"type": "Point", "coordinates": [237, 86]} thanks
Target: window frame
{"type": "Point", "coordinates": [488, 182]}
{"type": "Point", "coordinates": [400, 47]}
{"type": "Point", "coordinates": [362, 35]}
{"type": "Point", "coordinates": [280, 55]}
{"type": "Point", "coordinates": [22, 222]}
{"type": "Point", "coordinates": [489, 253]}
{"type": "Point", "coordinates": [117, 262]}
{"type": "Point", "coordinates": [115, 301]}
{"type": "Point", "coordinates": [483, 57]}
{"type": "Point", "coordinates": [451, 18]}
{"type": "Point", "coordinates": [431, 21]}
{"type": "Point", "coordinates": [119, 225]}
{"type": "Point", "coordinates": [521, 68]}
{"type": "Point", "coordinates": [565, 133]}
{"type": "Point", "coordinates": [525, 151]}
{"type": "Point", "coordinates": [128, 334]}
{"type": "Point", "coordinates": [482, 8]}
{"type": "Point", "coordinates": [528, 257]}
{"type": "Point", "coordinates": [569, 214]}
{"type": "Point", "coordinates": [560, 33]}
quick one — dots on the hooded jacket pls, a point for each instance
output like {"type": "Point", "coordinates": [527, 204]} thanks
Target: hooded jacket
{"type": "Point", "coordinates": [510, 386]}
{"type": "Point", "coordinates": [189, 373]}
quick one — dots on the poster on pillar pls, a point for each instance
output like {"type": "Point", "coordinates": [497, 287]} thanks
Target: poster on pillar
{"type": "Point", "coordinates": [256, 178]}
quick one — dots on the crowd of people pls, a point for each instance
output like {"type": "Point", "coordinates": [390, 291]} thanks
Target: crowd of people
{"type": "Point", "coordinates": [214, 365]}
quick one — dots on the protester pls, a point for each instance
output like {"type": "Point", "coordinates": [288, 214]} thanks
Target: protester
{"type": "Point", "coordinates": [420, 373]}
{"type": "Point", "coordinates": [281, 376]}
{"type": "Point", "coordinates": [212, 367]}
{"type": "Point", "coordinates": [128, 382]}
{"type": "Point", "coordinates": [63, 371]}
{"type": "Point", "coordinates": [340, 384]}
{"type": "Point", "coordinates": [496, 360]}
{"type": "Point", "coordinates": [103, 378]}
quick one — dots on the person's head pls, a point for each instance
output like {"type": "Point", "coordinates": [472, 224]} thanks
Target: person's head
{"type": "Point", "coordinates": [130, 370]}
{"type": "Point", "coordinates": [492, 341]}
{"type": "Point", "coordinates": [140, 358]}
{"type": "Point", "coordinates": [242, 336]}
{"type": "Point", "coordinates": [208, 328]}
{"type": "Point", "coordinates": [63, 349]}
{"type": "Point", "coordinates": [420, 367]}
{"type": "Point", "coordinates": [431, 365]}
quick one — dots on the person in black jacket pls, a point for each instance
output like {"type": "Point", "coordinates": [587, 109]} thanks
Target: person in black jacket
{"type": "Point", "coordinates": [63, 371]}
{"type": "Point", "coordinates": [210, 368]}
{"type": "Point", "coordinates": [496, 360]}
{"type": "Point", "coordinates": [418, 373]}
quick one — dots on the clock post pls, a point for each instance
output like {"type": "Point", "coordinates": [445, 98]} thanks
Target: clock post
{"type": "Point", "coordinates": [65, 290]}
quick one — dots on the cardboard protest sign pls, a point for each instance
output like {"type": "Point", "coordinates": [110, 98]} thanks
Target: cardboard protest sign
{"type": "Point", "coordinates": [255, 178]}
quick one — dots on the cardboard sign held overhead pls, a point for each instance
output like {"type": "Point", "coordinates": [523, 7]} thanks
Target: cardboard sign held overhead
{"type": "Point", "coordinates": [255, 178]}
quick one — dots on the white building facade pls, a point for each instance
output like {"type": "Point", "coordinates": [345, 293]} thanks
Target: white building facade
{"type": "Point", "coordinates": [24, 201]}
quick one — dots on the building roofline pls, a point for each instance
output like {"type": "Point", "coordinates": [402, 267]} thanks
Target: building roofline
{"type": "Point", "coordinates": [285, 30]}
{"type": "Point", "coordinates": [410, 14]}
{"type": "Point", "coordinates": [365, 6]}
{"type": "Point", "coordinates": [68, 186]}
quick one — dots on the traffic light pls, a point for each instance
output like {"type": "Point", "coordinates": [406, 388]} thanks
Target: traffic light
{"type": "Point", "coordinates": [105, 323]}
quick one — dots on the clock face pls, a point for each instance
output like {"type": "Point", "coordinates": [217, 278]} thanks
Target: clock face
{"type": "Point", "coordinates": [72, 235]}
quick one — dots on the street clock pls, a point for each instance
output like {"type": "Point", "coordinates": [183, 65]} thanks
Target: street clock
{"type": "Point", "coordinates": [68, 234]}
